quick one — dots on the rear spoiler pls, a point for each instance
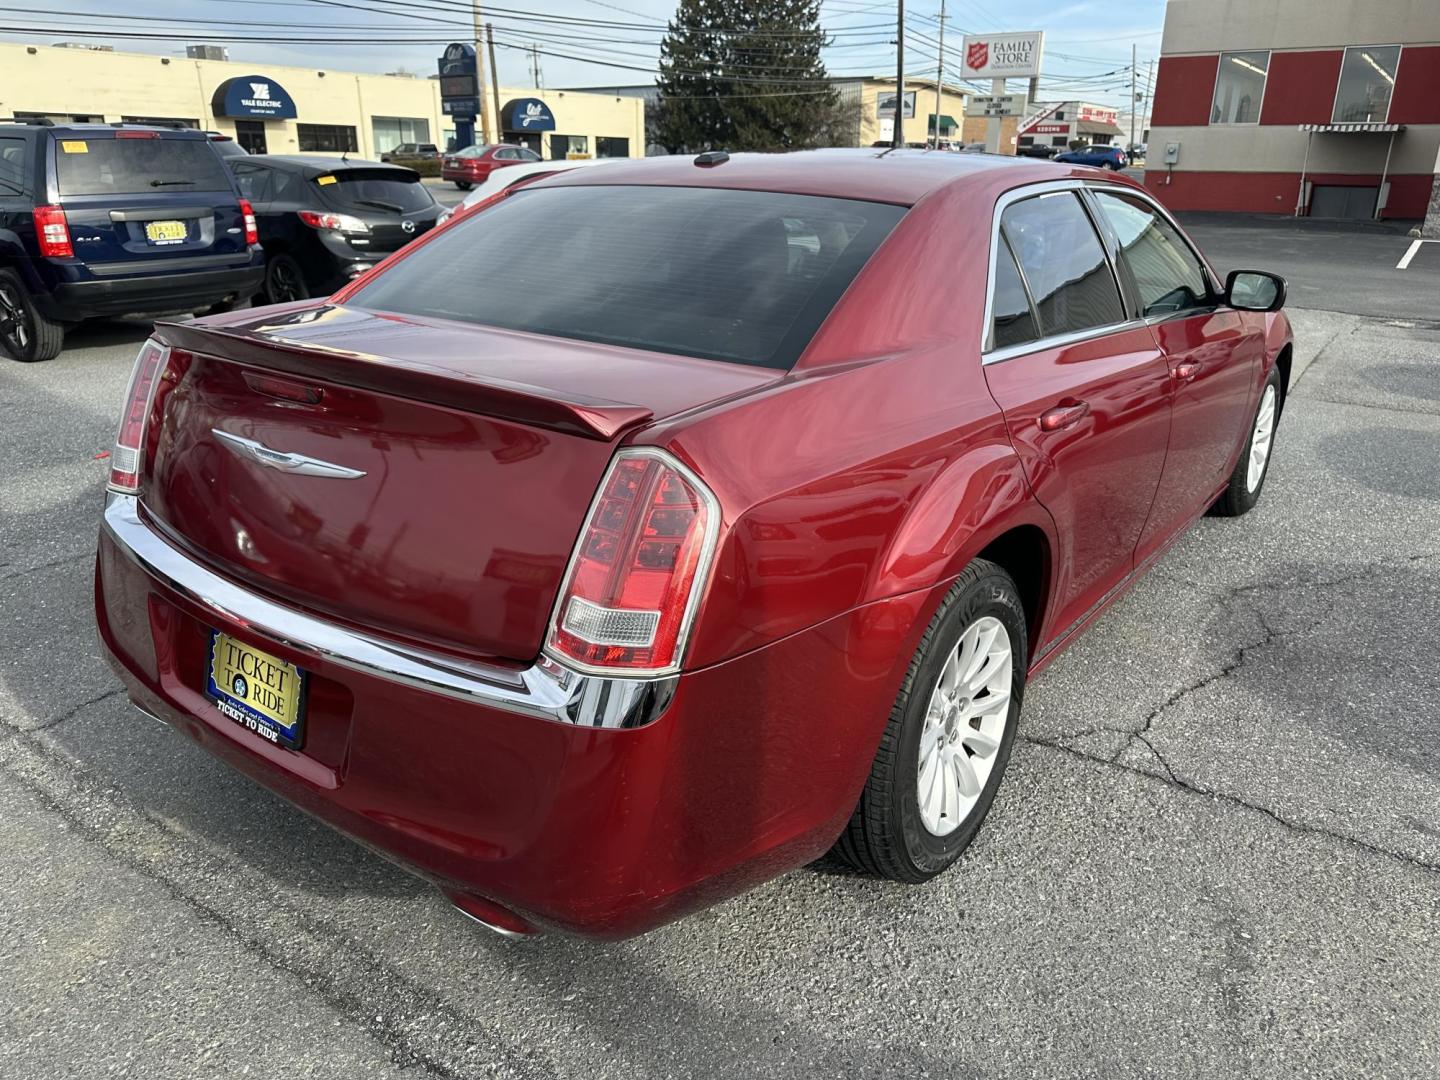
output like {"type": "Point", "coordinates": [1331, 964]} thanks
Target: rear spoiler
{"type": "Point", "coordinates": [591, 418]}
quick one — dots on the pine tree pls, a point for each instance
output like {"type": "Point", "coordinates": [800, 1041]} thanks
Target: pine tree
{"type": "Point", "coordinates": [745, 75]}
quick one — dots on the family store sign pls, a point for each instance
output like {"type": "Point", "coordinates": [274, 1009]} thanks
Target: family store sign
{"type": "Point", "coordinates": [1003, 56]}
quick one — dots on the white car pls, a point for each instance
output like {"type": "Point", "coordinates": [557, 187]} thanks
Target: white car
{"type": "Point", "coordinates": [500, 179]}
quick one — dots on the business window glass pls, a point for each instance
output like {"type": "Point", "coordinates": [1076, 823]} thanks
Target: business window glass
{"type": "Point", "coordinates": [391, 131]}
{"type": "Point", "coordinates": [609, 146]}
{"type": "Point", "coordinates": [322, 138]}
{"type": "Point", "coordinates": [1239, 87]}
{"type": "Point", "coordinates": [1367, 80]}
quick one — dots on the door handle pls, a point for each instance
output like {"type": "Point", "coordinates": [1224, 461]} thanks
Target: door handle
{"type": "Point", "coordinates": [1064, 415]}
{"type": "Point", "coordinates": [1186, 370]}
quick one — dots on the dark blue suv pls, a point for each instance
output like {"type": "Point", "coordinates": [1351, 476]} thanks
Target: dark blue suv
{"type": "Point", "coordinates": [101, 220]}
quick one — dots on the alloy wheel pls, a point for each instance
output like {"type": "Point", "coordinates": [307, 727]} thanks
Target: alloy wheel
{"type": "Point", "coordinates": [1260, 441]}
{"type": "Point", "coordinates": [14, 334]}
{"type": "Point", "coordinates": [964, 724]}
{"type": "Point", "coordinates": [285, 283]}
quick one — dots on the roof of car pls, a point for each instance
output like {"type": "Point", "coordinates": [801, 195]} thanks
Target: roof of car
{"type": "Point", "coordinates": [91, 130]}
{"type": "Point", "coordinates": [894, 176]}
{"type": "Point", "coordinates": [317, 166]}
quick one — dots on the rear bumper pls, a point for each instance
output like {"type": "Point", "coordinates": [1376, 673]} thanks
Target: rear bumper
{"type": "Point", "coordinates": [594, 806]}
{"type": "Point", "coordinates": [73, 300]}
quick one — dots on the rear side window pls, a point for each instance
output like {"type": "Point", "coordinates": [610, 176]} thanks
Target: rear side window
{"type": "Point", "coordinates": [1013, 322]}
{"type": "Point", "coordinates": [744, 276]}
{"type": "Point", "coordinates": [1070, 280]}
{"type": "Point", "coordinates": [12, 166]}
{"type": "Point", "coordinates": [377, 191]}
{"type": "Point", "coordinates": [113, 166]}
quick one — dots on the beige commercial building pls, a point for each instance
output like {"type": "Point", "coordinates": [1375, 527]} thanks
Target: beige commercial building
{"type": "Point", "coordinates": [872, 102]}
{"type": "Point", "coordinates": [276, 109]}
{"type": "Point", "coordinates": [1298, 107]}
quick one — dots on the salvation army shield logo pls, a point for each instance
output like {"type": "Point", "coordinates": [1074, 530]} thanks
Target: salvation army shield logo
{"type": "Point", "coordinates": [977, 55]}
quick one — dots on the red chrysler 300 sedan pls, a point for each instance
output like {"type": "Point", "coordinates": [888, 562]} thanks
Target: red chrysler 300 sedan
{"type": "Point", "coordinates": [690, 518]}
{"type": "Point", "coordinates": [474, 164]}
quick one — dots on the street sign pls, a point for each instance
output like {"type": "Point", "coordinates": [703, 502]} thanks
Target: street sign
{"type": "Point", "coordinates": [996, 105]}
{"type": "Point", "coordinates": [1002, 56]}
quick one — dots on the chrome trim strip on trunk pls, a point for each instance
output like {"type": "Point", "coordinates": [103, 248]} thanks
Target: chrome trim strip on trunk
{"type": "Point", "coordinates": [547, 690]}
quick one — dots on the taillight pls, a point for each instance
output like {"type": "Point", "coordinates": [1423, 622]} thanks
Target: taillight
{"type": "Point", "coordinates": [333, 222]}
{"type": "Point", "coordinates": [53, 232]}
{"type": "Point", "coordinates": [125, 461]}
{"type": "Point", "coordinates": [638, 570]}
{"type": "Point", "coordinates": [252, 234]}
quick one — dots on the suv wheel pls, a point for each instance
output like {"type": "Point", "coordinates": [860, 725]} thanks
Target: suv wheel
{"type": "Point", "coordinates": [25, 334]}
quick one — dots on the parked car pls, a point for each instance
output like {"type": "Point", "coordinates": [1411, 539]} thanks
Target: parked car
{"type": "Point", "coordinates": [412, 152]}
{"type": "Point", "coordinates": [606, 555]}
{"type": "Point", "coordinates": [1100, 157]}
{"type": "Point", "coordinates": [225, 146]}
{"type": "Point", "coordinates": [1036, 150]}
{"type": "Point", "coordinates": [471, 166]}
{"type": "Point", "coordinates": [101, 220]}
{"type": "Point", "coordinates": [522, 172]}
{"type": "Point", "coordinates": [323, 221]}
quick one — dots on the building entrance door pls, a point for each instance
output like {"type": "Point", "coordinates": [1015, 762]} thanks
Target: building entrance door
{"type": "Point", "coordinates": [1341, 201]}
{"type": "Point", "coordinates": [250, 134]}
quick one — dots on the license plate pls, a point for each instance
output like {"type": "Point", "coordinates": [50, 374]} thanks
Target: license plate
{"type": "Point", "coordinates": [166, 232]}
{"type": "Point", "coordinates": [258, 691]}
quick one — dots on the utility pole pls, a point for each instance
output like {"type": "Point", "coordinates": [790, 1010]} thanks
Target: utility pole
{"type": "Point", "coordinates": [897, 137]}
{"type": "Point", "coordinates": [480, 70]}
{"type": "Point", "coordinates": [939, 75]}
{"type": "Point", "coordinates": [1134, 97]}
{"type": "Point", "coordinates": [494, 78]}
{"type": "Point", "coordinates": [535, 66]}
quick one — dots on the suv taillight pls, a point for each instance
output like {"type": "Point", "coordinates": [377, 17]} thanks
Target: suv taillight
{"type": "Point", "coordinates": [53, 232]}
{"type": "Point", "coordinates": [638, 570]}
{"type": "Point", "coordinates": [125, 460]}
{"type": "Point", "coordinates": [252, 234]}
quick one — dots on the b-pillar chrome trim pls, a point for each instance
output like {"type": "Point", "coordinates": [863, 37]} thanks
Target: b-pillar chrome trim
{"type": "Point", "coordinates": [547, 690]}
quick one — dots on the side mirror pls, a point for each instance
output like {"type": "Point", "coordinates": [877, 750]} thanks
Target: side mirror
{"type": "Point", "coordinates": [1254, 290]}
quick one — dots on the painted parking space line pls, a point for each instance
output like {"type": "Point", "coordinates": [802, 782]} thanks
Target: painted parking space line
{"type": "Point", "coordinates": [1411, 252]}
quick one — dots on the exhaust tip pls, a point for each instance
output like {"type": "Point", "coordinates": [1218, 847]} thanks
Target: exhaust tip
{"type": "Point", "coordinates": [491, 915]}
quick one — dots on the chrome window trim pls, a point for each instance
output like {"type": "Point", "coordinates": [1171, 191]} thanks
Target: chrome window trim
{"type": "Point", "coordinates": [547, 690]}
{"type": "Point", "coordinates": [991, 355]}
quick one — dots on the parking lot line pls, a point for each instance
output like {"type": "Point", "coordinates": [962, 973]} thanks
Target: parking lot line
{"type": "Point", "coordinates": [1410, 253]}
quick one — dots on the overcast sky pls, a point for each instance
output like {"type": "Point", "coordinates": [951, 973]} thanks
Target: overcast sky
{"type": "Point", "coordinates": [1086, 41]}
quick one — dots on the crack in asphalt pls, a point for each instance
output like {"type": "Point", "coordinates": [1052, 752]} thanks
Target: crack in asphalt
{"type": "Point", "coordinates": [61, 560]}
{"type": "Point", "coordinates": [371, 994]}
{"type": "Point", "coordinates": [1237, 660]}
{"type": "Point", "coordinates": [75, 710]}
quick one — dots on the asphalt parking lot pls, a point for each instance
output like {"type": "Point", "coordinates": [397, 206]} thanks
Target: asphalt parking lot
{"type": "Point", "coordinates": [1217, 853]}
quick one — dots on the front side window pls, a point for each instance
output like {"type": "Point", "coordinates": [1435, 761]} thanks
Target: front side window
{"type": "Point", "coordinates": [1239, 87]}
{"type": "Point", "coordinates": [743, 276]}
{"type": "Point", "coordinates": [1070, 279]}
{"type": "Point", "coordinates": [1367, 81]}
{"type": "Point", "coordinates": [326, 138]}
{"type": "Point", "coordinates": [1167, 273]}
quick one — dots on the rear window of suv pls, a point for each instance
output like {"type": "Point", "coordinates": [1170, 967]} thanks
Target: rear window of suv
{"type": "Point", "coordinates": [389, 190]}
{"type": "Point", "coordinates": [129, 166]}
{"type": "Point", "coordinates": [742, 276]}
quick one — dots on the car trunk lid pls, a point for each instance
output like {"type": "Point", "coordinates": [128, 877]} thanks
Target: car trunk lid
{"type": "Point", "coordinates": [414, 478]}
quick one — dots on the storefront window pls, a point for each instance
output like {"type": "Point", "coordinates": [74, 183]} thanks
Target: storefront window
{"type": "Point", "coordinates": [1367, 79]}
{"type": "Point", "coordinates": [391, 131]}
{"type": "Point", "coordinates": [323, 138]}
{"type": "Point", "coordinates": [1239, 88]}
{"type": "Point", "coordinates": [562, 146]}
{"type": "Point", "coordinates": [605, 146]}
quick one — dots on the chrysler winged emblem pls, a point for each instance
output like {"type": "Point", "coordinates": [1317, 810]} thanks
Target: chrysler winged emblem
{"type": "Point", "coordinates": [295, 464]}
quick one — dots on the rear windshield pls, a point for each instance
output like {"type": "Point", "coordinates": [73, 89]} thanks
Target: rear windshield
{"type": "Point", "coordinates": [387, 191]}
{"type": "Point", "coordinates": [130, 166]}
{"type": "Point", "coordinates": [744, 276]}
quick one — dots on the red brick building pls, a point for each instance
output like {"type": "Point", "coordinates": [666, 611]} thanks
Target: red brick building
{"type": "Point", "coordinates": [1327, 108]}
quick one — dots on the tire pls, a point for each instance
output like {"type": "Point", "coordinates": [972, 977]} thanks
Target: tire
{"type": "Point", "coordinates": [888, 834]}
{"type": "Point", "coordinates": [1245, 486]}
{"type": "Point", "coordinates": [464, 185]}
{"type": "Point", "coordinates": [25, 334]}
{"type": "Point", "coordinates": [284, 281]}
